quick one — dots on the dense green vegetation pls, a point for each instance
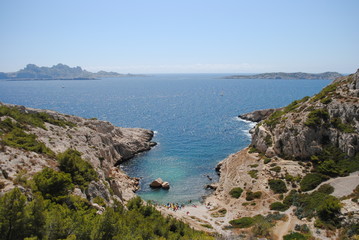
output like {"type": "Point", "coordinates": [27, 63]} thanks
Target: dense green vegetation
{"type": "Point", "coordinates": [261, 225]}
{"type": "Point", "coordinates": [243, 222]}
{"type": "Point", "coordinates": [317, 203]}
{"type": "Point", "coordinates": [32, 119]}
{"type": "Point", "coordinates": [52, 184]}
{"type": "Point", "coordinates": [294, 236]}
{"type": "Point", "coordinates": [82, 173]}
{"type": "Point", "coordinates": [333, 162]}
{"type": "Point", "coordinates": [311, 181]}
{"type": "Point", "coordinates": [13, 131]}
{"type": "Point", "coordinates": [346, 128]}
{"type": "Point", "coordinates": [253, 173]}
{"type": "Point", "coordinates": [236, 192]}
{"type": "Point", "coordinates": [315, 117]}
{"type": "Point", "coordinates": [54, 214]}
{"type": "Point", "coordinates": [253, 195]}
{"type": "Point", "coordinates": [19, 139]}
{"type": "Point", "coordinates": [278, 206]}
{"type": "Point", "coordinates": [326, 188]}
{"type": "Point", "coordinates": [277, 186]}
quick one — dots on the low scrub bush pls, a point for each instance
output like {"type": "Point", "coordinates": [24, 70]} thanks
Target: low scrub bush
{"type": "Point", "coordinates": [253, 195]}
{"type": "Point", "coordinates": [326, 188]}
{"type": "Point", "coordinates": [311, 181]}
{"type": "Point", "coordinates": [294, 236]}
{"type": "Point", "coordinates": [243, 222]}
{"type": "Point", "coordinates": [278, 206]}
{"type": "Point", "coordinates": [236, 192]}
{"type": "Point", "coordinates": [315, 117]}
{"type": "Point", "coordinates": [19, 139]}
{"type": "Point", "coordinates": [277, 186]}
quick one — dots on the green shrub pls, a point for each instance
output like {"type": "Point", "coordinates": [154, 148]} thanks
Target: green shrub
{"type": "Point", "coordinates": [277, 186]}
{"type": "Point", "coordinates": [346, 128]}
{"type": "Point", "coordinates": [329, 210]}
{"type": "Point", "coordinates": [333, 162]}
{"type": "Point", "coordinates": [52, 184]}
{"type": "Point", "coordinates": [327, 91]}
{"type": "Point", "coordinates": [326, 188]}
{"type": "Point", "coordinates": [253, 150]}
{"type": "Point", "coordinates": [315, 117]}
{"type": "Point", "coordinates": [253, 173]}
{"type": "Point", "coordinates": [19, 139]}
{"type": "Point", "coordinates": [253, 195]}
{"type": "Point", "coordinates": [244, 222]}
{"type": "Point", "coordinates": [82, 172]}
{"type": "Point", "coordinates": [276, 169]}
{"type": "Point", "coordinates": [266, 160]}
{"type": "Point", "coordinates": [311, 181]}
{"type": "Point", "coordinates": [236, 192]}
{"type": "Point", "coordinates": [294, 236]}
{"type": "Point", "coordinates": [278, 206]}
{"type": "Point", "coordinates": [33, 119]}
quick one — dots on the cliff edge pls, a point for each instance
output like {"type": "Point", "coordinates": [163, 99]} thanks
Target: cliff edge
{"type": "Point", "coordinates": [33, 139]}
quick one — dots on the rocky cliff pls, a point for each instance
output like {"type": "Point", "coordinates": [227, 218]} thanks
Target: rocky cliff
{"type": "Point", "coordinates": [294, 151]}
{"type": "Point", "coordinates": [305, 127]}
{"type": "Point", "coordinates": [100, 143]}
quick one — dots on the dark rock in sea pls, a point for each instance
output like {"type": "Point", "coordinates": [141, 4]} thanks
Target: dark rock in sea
{"type": "Point", "coordinates": [165, 185]}
{"type": "Point", "coordinates": [156, 183]}
{"type": "Point", "coordinates": [258, 115]}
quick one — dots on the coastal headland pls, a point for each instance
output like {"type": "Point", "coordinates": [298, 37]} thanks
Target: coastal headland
{"type": "Point", "coordinates": [302, 158]}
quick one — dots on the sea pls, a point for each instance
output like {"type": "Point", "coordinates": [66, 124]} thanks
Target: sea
{"type": "Point", "coordinates": [194, 117]}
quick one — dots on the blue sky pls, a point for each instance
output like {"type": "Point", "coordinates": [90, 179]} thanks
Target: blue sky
{"type": "Point", "coordinates": [187, 36]}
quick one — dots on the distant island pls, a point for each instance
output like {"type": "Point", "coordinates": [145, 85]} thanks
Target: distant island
{"type": "Point", "coordinates": [283, 75]}
{"type": "Point", "coordinates": [58, 72]}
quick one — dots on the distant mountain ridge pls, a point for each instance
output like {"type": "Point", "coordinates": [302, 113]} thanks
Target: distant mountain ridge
{"type": "Point", "coordinates": [56, 72]}
{"type": "Point", "coordinates": [283, 75]}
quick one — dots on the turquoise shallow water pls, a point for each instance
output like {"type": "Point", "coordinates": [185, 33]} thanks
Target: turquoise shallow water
{"type": "Point", "coordinates": [194, 116]}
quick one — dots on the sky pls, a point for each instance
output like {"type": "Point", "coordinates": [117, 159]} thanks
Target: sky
{"type": "Point", "coordinates": [186, 36]}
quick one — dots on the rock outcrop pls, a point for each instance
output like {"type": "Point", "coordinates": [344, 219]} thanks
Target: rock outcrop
{"type": "Point", "coordinates": [156, 183]}
{"type": "Point", "coordinates": [258, 115]}
{"type": "Point", "coordinates": [100, 143]}
{"type": "Point", "coordinates": [302, 129]}
{"type": "Point", "coordinates": [159, 183]}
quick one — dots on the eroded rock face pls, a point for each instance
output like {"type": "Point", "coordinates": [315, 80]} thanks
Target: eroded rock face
{"type": "Point", "coordinates": [329, 118]}
{"type": "Point", "coordinates": [258, 115]}
{"type": "Point", "coordinates": [100, 143]}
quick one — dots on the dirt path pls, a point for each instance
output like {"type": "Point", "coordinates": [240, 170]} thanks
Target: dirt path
{"type": "Point", "coordinates": [283, 227]}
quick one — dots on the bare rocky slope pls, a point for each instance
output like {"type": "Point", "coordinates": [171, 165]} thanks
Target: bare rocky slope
{"type": "Point", "coordinates": [100, 143]}
{"type": "Point", "coordinates": [314, 136]}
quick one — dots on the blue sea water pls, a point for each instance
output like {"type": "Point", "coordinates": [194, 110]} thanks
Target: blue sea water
{"type": "Point", "coordinates": [193, 115]}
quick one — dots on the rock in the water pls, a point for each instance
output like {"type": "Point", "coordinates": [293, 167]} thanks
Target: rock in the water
{"type": "Point", "coordinates": [165, 185]}
{"type": "Point", "coordinates": [156, 183]}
